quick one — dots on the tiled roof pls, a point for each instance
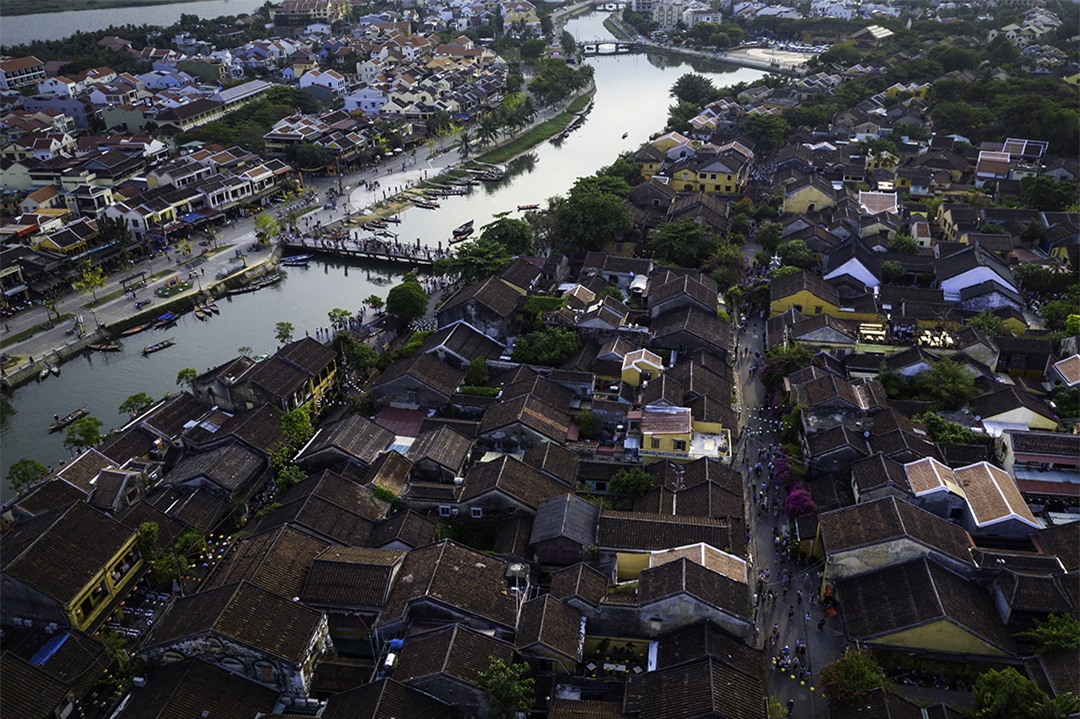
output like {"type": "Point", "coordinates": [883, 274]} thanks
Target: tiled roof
{"type": "Point", "coordinates": [531, 412]}
{"type": "Point", "coordinates": [705, 688]}
{"type": "Point", "coordinates": [585, 709]}
{"type": "Point", "coordinates": [385, 699]}
{"type": "Point", "coordinates": [456, 651]}
{"type": "Point", "coordinates": [451, 574]}
{"type": "Point", "coordinates": [60, 552]}
{"type": "Point", "coordinates": [713, 559]}
{"type": "Point", "coordinates": [493, 294]}
{"type": "Point", "coordinates": [580, 581]}
{"type": "Point", "coordinates": [917, 593]}
{"type": "Point", "coordinates": [889, 519]}
{"type": "Point", "coordinates": [1057, 444]}
{"type": "Point", "coordinates": [707, 639]}
{"type": "Point", "coordinates": [566, 516]}
{"type": "Point", "coordinates": [706, 327]}
{"type": "Point", "coordinates": [354, 577]}
{"type": "Point", "coordinates": [355, 436]}
{"type": "Point", "coordinates": [168, 420]}
{"type": "Point", "coordinates": [50, 495]}
{"type": "Point", "coordinates": [514, 478]}
{"type": "Point", "coordinates": [28, 691]}
{"type": "Point", "coordinates": [542, 388]}
{"type": "Point", "coordinates": [669, 285]}
{"type": "Point", "coordinates": [1062, 540]}
{"type": "Point", "coordinates": [324, 517]}
{"type": "Point", "coordinates": [788, 285]}
{"type": "Point", "coordinates": [647, 532]}
{"type": "Point", "coordinates": [277, 560]}
{"type": "Point", "coordinates": [464, 340]}
{"type": "Point", "coordinates": [71, 657]}
{"type": "Point", "coordinates": [876, 471]}
{"type": "Point", "coordinates": [992, 494]}
{"type": "Point", "coordinates": [390, 470]}
{"type": "Point", "coordinates": [81, 471]}
{"type": "Point", "coordinates": [244, 613]}
{"type": "Point", "coordinates": [407, 527]}
{"type": "Point", "coordinates": [233, 468]}
{"type": "Point", "coordinates": [552, 624]}
{"type": "Point", "coordinates": [193, 689]}
{"type": "Point", "coordinates": [683, 576]}
{"type": "Point", "coordinates": [555, 460]}
{"type": "Point", "coordinates": [426, 369]}
{"type": "Point", "coordinates": [443, 446]}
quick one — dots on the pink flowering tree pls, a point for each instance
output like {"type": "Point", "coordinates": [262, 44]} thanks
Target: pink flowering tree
{"type": "Point", "coordinates": [799, 501]}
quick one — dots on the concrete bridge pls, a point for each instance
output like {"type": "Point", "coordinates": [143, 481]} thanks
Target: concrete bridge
{"type": "Point", "coordinates": [606, 47]}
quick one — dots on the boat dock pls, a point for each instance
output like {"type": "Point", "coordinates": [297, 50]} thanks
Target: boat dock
{"type": "Point", "coordinates": [368, 250]}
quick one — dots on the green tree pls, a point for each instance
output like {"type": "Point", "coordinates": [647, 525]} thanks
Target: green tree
{"type": "Point", "coordinates": [83, 432]}
{"type": "Point", "coordinates": [1007, 694]}
{"type": "Point", "coordinates": [283, 332]}
{"type": "Point", "coordinates": [796, 254]}
{"type": "Point", "coordinates": [135, 403]}
{"type": "Point", "coordinates": [989, 324]}
{"type": "Point", "coordinates": [374, 302]}
{"type": "Point", "coordinates": [947, 384]}
{"type": "Point", "coordinates": [630, 484]}
{"type": "Point", "coordinates": [780, 361]}
{"type": "Point", "coordinates": [91, 279]}
{"type": "Point", "coordinates": [507, 690]}
{"type": "Point", "coordinates": [1046, 193]}
{"type": "Point", "coordinates": [593, 213]}
{"type": "Point", "coordinates": [693, 88]}
{"type": "Point", "coordinates": [296, 426]}
{"type": "Point", "coordinates": [288, 476]}
{"type": "Point", "coordinates": [361, 357]}
{"type": "Point", "coordinates": [624, 168]}
{"type": "Point", "coordinates": [339, 318]}
{"type": "Point", "coordinates": [683, 243]}
{"type": "Point", "coordinates": [147, 541]}
{"type": "Point", "coordinates": [476, 374]}
{"type": "Point", "coordinates": [186, 375]}
{"type": "Point", "coordinates": [407, 301]}
{"type": "Point", "coordinates": [851, 676]}
{"type": "Point", "coordinates": [514, 235]}
{"type": "Point", "coordinates": [903, 244]}
{"type": "Point", "coordinates": [943, 431]}
{"type": "Point", "coordinates": [244, 350]}
{"type": "Point", "coordinates": [769, 131]}
{"type": "Point", "coordinates": [551, 348]}
{"type": "Point", "coordinates": [25, 473]}
{"type": "Point", "coordinates": [588, 423]}
{"type": "Point", "coordinates": [266, 227]}
{"type": "Point", "coordinates": [892, 271]}
{"type": "Point", "coordinates": [1056, 632]}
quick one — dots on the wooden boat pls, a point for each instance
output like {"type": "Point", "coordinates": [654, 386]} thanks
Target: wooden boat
{"type": "Point", "coordinates": [60, 422]}
{"type": "Point", "coordinates": [295, 262]}
{"type": "Point", "coordinates": [426, 204]}
{"type": "Point", "coordinates": [396, 220]}
{"type": "Point", "coordinates": [296, 258]}
{"type": "Point", "coordinates": [134, 330]}
{"type": "Point", "coordinates": [44, 373]}
{"type": "Point", "coordinates": [199, 313]}
{"type": "Point", "coordinates": [464, 229]}
{"type": "Point", "coordinates": [458, 238]}
{"type": "Point", "coordinates": [212, 306]}
{"type": "Point", "coordinates": [167, 320]}
{"type": "Point", "coordinates": [105, 346]}
{"type": "Point", "coordinates": [625, 135]}
{"type": "Point", "coordinates": [157, 347]}
{"type": "Point", "coordinates": [55, 369]}
{"type": "Point", "coordinates": [532, 206]}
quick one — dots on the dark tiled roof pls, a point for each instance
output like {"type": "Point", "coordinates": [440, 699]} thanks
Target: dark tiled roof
{"type": "Point", "coordinates": [531, 412]}
{"type": "Point", "coordinates": [131, 443]}
{"type": "Point", "coordinates": [521, 273]}
{"type": "Point", "coordinates": [385, 699]}
{"type": "Point", "coordinates": [244, 613]}
{"type": "Point", "coordinates": [407, 527]}
{"type": "Point", "coordinates": [585, 709]}
{"type": "Point", "coordinates": [554, 394]}
{"type": "Point", "coordinates": [1032, 593]}
{"type": "Point", "coordinates": [323, 517]}
{"type": "Point", "coordinates": [309, 355]}
{"type": "Point", "coordinates": [580, 581]}
{"type": "Point", "coordinates": [668, 285]}
{"type": "Point", "coordinates": [555, 460]}
{"type": "Point", "coordinates": [919, 592]}
{"type": "Point", "coordinates": [277, 560]}
{"type": "Point", "coordinates": [50, 495]}
{"type": "Point", "coordinates": [232, 468]}
{"type": "Point", "coordinates": [876, 471]}
{"type": "Point", "coordinates": [566, 516]}
{"type": "Point", "coordinates": [464, 340]}
{"type": "Point", "coordinates": [1062, 540]}
{"type": "Point", "coordinates": [278, 378]}
{"type": "Point", "coordinates": [390, 470]}
{"type": "Point", "coordinates": [880, 704]}
{"type": "Point", "coordinates": [192, 688]}
{"type": "Point", "coordinates": [705, 688]}
{"type": "Point", "coordinates": [452, 574]}
{"type": "Point", "coordinates": [73, 658]}
{"type": "Point", "coordinates": [354, 577]}
{"type": "Point", "coordinates": [60, 552]}
{"type": "Point", "coordinates": [443, 446]}
{"type": "Point", "coordinates": [705, 327]}
{"type": "Point", "coordinates": [1046, 443]}
{"type": "Point", "coordinates": [493, 294]}
{"type": "Point", "coordinates": [1004, 400]}
{"type": "Point", "coordinates": [426, 369]}
{"type": "Point", "coordinates": [355, 436]}
{"type": "Point", "coordinates": [455, 651]}
{"type": "Point", "coordinates": [28, 691]}
{"type": "Point", "coordinates": [788, 285]}
{"type": "Point", "coordinates": [81, 471]}
{"type": "Point", "coordinates": [888, 519]}
{"type": "Point", "coordinates": [707, 639]}
{"type": "Point", "coordinates": [168, 420]}
{"type": "Point", "coordinates": [552, 624]}
{"type": "Point", "coordinates": [514, 478]}
{"type": "Point", "coordinates": [683, 576]}
{"type": "Point", "coordinates": [648, 532]}
{"type": "Point", "coordinates": [201, 508]}
{"type": "Point", "coordinates": [168, 527]}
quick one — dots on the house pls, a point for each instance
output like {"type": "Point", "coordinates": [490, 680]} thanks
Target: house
{"type": "Point", "coordinates": [852, 268]}
{"type": "Point", "coordinates": [459, 344]}
{"type": "Point", "coordinates": [690, 329]}
{"type": "Point", "coordinates": [75, 660]}
{"type": "Point", "coordinates": [1066, 371]}
{"type": "Point", "coordinates": [228, 627]}
{"type": "Point", "coordinates": [614, 269]}
{"type": "Point", "coordinates": [17, 72]}
{"type": "Point", "coordinates": [385, 699]}
{"type": "Point", "coordinates": [447, 582]}
{"type": "Point", "coordinates": [1024, 357]}
{"type": "Point", "coordinates": [488, 306]}
{"type": "Point", "coordinates": [682, 591]}
{"type": "Point", "coordinates": [554, 460]}
{"type": "Point", "coordinates": [445, 663]}
{"type": "Point", "coordinates": [68, 567]}
{"type": "Point", "coordinates": [440, 455]}
{"type": "Point", "coordinates": [1044, 465]}
{"type": "Point", "coordinates": [551, 632]}
{"type": "Point", "coordinates": [670, 291]}
{"type": "Point", "coordinates": [878, 476]}
{"type": "Point", "coordinates": [640, 366]}
{"type": "Point", "coordinates": [975, 267]}
{"type": "Point", "coordinates": [232, 472]}
{"type": "Point", "coordinates": [190, 686]}
{"type": "Point", "coordinates": [873, 535]}
{"type": "Point", "coordinates": [523, 422]}
{"type": "Point", "coordinates": [277, 560]}
{"type": "Point", "coordinates": [354, 440]}
{"type": "Point", "coordinates": [417, 381]}
{"type": "Point", "coordinates": [564, 529]}
{"type": "Point", "coordinates": [32, 692]}
{"type": "Point", "coordinates": [1010, 408]}
{"type": "Point", "coordinates": [632, 536]}
{"type": "Point", "coordinates": [504, 486]}
{"type": "Point", "coordinates": [811, 194]}
{"type": "Point", "coordinates": [919, 606]}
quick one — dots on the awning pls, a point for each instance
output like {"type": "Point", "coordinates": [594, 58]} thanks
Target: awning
{"type": "Point", "coordinates": [15, 290]}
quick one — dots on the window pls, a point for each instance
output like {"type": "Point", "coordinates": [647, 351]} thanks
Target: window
{"type": "Point", "coordinates": [817, 309]}
{"type": "Point", "coordinates": [477, 512]}
{"type": "Point", "coordinates": [444, 510]}
{"type": "Point", "coordinates": [654, 442]}
{"type": "Point", "coordinates": [680, 445]}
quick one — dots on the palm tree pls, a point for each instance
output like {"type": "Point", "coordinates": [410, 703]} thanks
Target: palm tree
{"type": "Point", "coordinates": [464, 143]}
{"type": "Point", "coordinates": [488, 132]}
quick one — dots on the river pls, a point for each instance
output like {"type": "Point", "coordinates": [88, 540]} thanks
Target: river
{"type": "Point", "coordinates": [631, 97]}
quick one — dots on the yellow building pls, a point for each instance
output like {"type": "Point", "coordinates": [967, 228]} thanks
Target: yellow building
{"type": "Point", "coordinates": [723, 174]}
{"type": "Point", "coordinates": [810, 295]}
{"type": "Point", "coordinates": [71, 570]}
{"type": "Point", "coordinates": [809, 196]}
{"type": "Point", "coordinates": [641, 361]}
{"type": "Point", "coordinates": [665, 432]}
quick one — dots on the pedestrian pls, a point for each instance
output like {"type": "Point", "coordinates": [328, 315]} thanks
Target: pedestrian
{"type": "Point", "coordinates": [798, 596]}
{"type": "Point", "coordinates": [807, 617]}
{"type": "Point", "coordinates": [790, 612]}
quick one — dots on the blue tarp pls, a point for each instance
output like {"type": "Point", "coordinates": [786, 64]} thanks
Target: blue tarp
{"type": "Point", "coordinates": [45, 653]}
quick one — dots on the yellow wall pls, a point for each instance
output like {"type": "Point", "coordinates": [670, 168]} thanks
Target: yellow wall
{"type": "Point", "coordinates": [73, 610]}
{"type": "Point", "coordinates": [806, 302]}
{"type": "Point", "coordinates": [667, 444]}
{"type": "Point", "coordinates": [799, 201]}
{"type": "Point", "coordinates": [715, 182]}
{"type": "Point", "coordinates": [630, 565]}
{"type": "Point", "coordinates": [1026, 416]}
{"type": "Point", "coordinates": [942, 636]}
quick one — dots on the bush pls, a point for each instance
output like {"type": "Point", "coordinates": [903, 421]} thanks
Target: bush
{"type": "Point", "coordinates": [851, 677]}
{"type": "Point", "coordinates": [475, 391]}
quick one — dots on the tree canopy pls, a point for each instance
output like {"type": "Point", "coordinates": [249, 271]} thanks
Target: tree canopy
{"type": "Point", "coordinates": [407, 301]}
{"type": "Point", "coordinates": [550, 348]}
{"type": "Point", "coordinates": [630, 484]}
{"type": "Point", "coordinates": [593, 213]}
{"type": "Point", "coordinates": [851, 676]}
{"type": "Point", "coordinates": [508, 691]}
{"type": "Point", "coordinates": [515, 236]}
{"type": "Point", "coordinates": [83, 432]}
{"type": "Point", "coordinates": [25, 473]}
{"type": "Point", "coordinates": [683, 243]}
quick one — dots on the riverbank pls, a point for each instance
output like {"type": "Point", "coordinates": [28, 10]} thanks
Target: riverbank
{"type": "Point", "coordinates": [34, 7]}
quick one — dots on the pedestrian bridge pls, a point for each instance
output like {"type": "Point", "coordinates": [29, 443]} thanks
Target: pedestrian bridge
{"type": "Point", "coordinates": [606, 47]}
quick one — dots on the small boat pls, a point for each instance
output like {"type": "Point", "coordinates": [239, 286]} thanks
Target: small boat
{"type": "Point", "coordinates": [427, 205]}
{"type": "Point", "coordinates": [60, 422]}
{"type": "Point", "coordinates": [105, 346]}
{"type": "Point", "coordinates": [134, 330]}
{"type": "Point", "coordinates": [199, 313]}
{"type": "Point", "coordinates": [157, 347]}
{"type": "Point", "coordinates": [296, 258]}
{"type": "Point", "coordinates": [212, 306]}
{"type": "Point", "coordinates": [458, 238]}
{"type": "Point", "coordinates": [55, 369]}
{"type": "Point", "coordinates": [295, 262]}
{"type": "Point", "coordinates": [44, 373]}
{"type": "Point", "coordinates": [464, 230]}
{"type": "Point", "coordinates": [396, 220]}
{"type": "Point", "coordinates": [625, 135]}
{"type": "Point", "coordinates": [167, 320]}
{"type": "Point", "coordinates": [532, 206]}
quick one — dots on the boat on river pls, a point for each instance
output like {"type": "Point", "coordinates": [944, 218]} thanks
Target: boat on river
{"type": "Point", "coordinates": [212, 306]}
{"type": "Point", "coordinates": [59, 423]}
{"type": "Point", "coordinates": [166, 320]}
{"type": "Point", "coordinates": [44, 373]}
{"type": "Point", "coordinates": [105, 346]}
{"type": "Point", "coordinates": [532, 206]}
{"type": "Point", "coordinates": [463, 230]}
{"type": "Point", "coordinates": [395, 220]}
{"type": "Point", "coordinates": [200, 314]}
{"type": "Point", "coordinates": [296, 261]}
{"type": "Point", "coordinates": [134, 330]}
{"type": "Point", "coordinates": [157, 347]}
{"type": "Point", "coordinates": [426, 204]}
{"type": "Point", "coordinates": [55, 369]}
